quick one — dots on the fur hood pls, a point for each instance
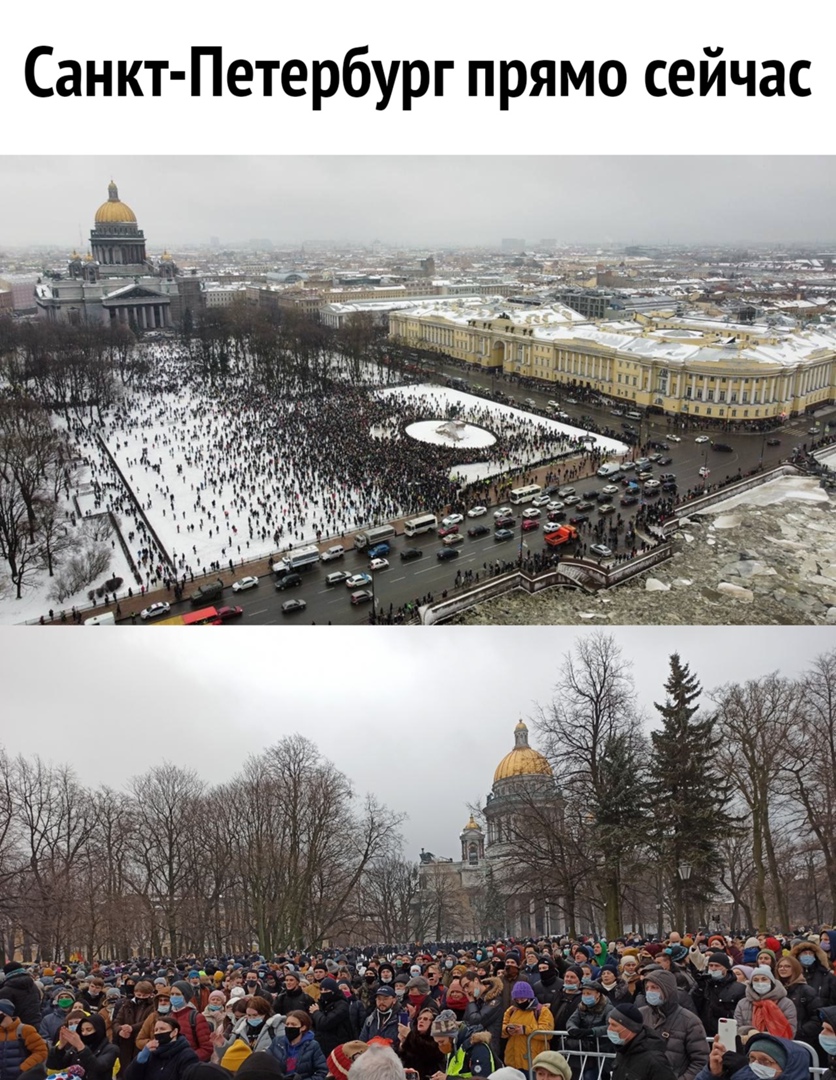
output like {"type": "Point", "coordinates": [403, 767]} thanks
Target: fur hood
{"type": "Point", "coordinates": [493, 989]}
{"type": "Point", "coordinates": [821, 955]}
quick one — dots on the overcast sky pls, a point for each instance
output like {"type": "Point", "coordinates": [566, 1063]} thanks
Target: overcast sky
{"type": "Point", "coordinates": [425, 201]}
{"type": "Point", "coordinates": [420, 718]}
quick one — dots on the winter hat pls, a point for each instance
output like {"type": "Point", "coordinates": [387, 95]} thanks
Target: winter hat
{"type": "Point", "coordinates": [747, 971]}
{"type": "Point", "coordinates": [720, 958]}
{"type": "Point", "coordinates": [218, 977]}
{"type": "Point", "coordinates": [415, 970]}
{"type": "Point", "coordinates": [420, 984]}
{"type": "Point", "coordinates": [260, 1066]}
{"type": "Point", "coordinates": [329, 984]}
{"type": "Point", "coordinates": [342, 1057]}
{"type": "Point", "coordinates": [676, 952]}
{"type": "Point", "coordinates": [236, 992]}
{"type": "Point", "coordinates": [236, 1055]}
{"type": "Point", "coordinates": [332, 966]}
{"type": "Point", "coordinates": [113, 993]}
{"type": "Point", "coordinates": [773, 1047]}
{"type": "Point", "coordinates": [49, 971]}
{"type": "Point", "coordinates": [385, 991]}
{"type": "Point", "coordinates": [765, 973]}
{"type": "Point", "coordinates": [523, 991]}
{"type": "Point", "coordinates": [628, 1016]}
{"type": "Point", "coordinates": [7, 1008]}
{"type": "Point", "coordinates": [553, 1062]}
{"type": "Point", "coordinates": [186, 989]}
{"type": "Point", "coordinates": [507, 1073]}
{"type": "Point", "coordinates": [445, 1025]}
{"type": "Point", "coordinates": [13, 965]}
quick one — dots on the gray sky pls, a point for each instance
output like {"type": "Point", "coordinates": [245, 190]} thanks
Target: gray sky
{"type": "Point", "coordinates": [420, 718]}
{"type": "Point", "coordinates": [426, 201]}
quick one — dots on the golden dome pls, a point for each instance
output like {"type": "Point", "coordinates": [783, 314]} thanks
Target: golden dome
{"type": "Point", "coordinates": [471, 824]}
{"type": "Point", "coordinates": [522, 760]}
{"type": "Point", "coordinates": [114, 210]}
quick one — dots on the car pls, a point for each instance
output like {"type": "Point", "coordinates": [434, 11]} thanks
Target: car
{"type": "Point", "coordinates": [645, 474]}
{"type": "Point", "coordinates": [503, 534]}
{"type": "Point", "coordinates": [553, 526]}
{"type": "Point", "coordinates": [704, 470]}
{"type": "Point", "coordinates": [664, 460]}
{"type": "Point", "coordinates": [477, 511]}
{"type": "Point", "coordinates": [408, 554]}
{"type": "Point", "coordinates": [447, 530]}
{"type": "Point", "coordinates": [571, 500]}
{"type": "Point", "coordinates": [337, 577]}
{"type": "Point", "coordinates": [453, 539]}
{"type": "Point", "coordinates": [335, 552]}
{"type": "Point", "coordinates": [154, 611]}
{"type": "Point", "coordinates": [673, 438]}
{"type": "Point", "coordinates": [812, 431]}
{"type": "Point", "coordinates": [379, 564]}
{"type": "Point", "coordinates": [361, 596]}
{"type": "Point", "coordinates": [666, 476]}
{"type": "Point", "coordinates": [652, 485]}
{"type": "Point", "coordinates": [478, 530]}
{"type": "Point", "coordinates": [657, 444]}
{"type": "Point", "coordinates": [553, 404]}
{"type": "Point", "coordinates": [616, 412]}
{"type": "Point", "coordinates": [505, 523]}
{"type": "Point", "coordinates": [773, 442]}
{"type": "Point", "coordinates": [540, 500]}
{"type": "Point", "coordinates": [627, 466]}
{"type": "Point", "coordinates": [502, 512]}
{"type": "Point", "coordinates": [606, 508]}
{"type": "Point", "coordinates": [289, 581]}
{"type": "Point", "coordinates": [452, 519]}
{"type": "Point", "coordinates": [571, 401]}
{"type": "Point", "coordinates": [629, 499]}
{"type": "Point", "coordinates": [578, 518]}
{"type": "Point", "coordinates": [584, 505]}
{"type": "Point", "coordinates": [561, 415]}
{"type": "Point", "coordinates": [245, 583]}
{"type": "Point", "coordinates": [654, 458]}
{"type": "Point", "coordinates": [379, 551]}
{"type": "Point", "coordinates": [356, 580]}
{"type": "Point", "coordinates": [643, 463]}
{"type": "Point", "coordinates": [610, 489]}
{"type": "Point", "coordinates": [532, 512]}
{"type": "Point", "coordinates": [564, 491]}
{"type": "Point", "coordinates": [606, 496]}
{"type": "Point", "coordinates": [529, 524]}
{"type": "Point", "coordinates": [590, 493]}
{"type": "Point", "coordinates": [601, 550]}
{"type": "Point", "coordinates": [669, 487]}
{"type": "Point", "coordinates": [228, 612]}
{"type": "Point", "coordinates": [296, 604]}
{"type": "Point", "coordinates": [723, 447]}
{"type": "Point", "coordinates": [554, 506]}
{"type": "Point", "coordinates": [447, 553]}
{"type": "Point", "coordinates": [702, 439]}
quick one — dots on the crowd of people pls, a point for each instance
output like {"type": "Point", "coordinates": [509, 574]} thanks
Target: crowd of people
{"type": "Point", "coordinates": [686, 1008]}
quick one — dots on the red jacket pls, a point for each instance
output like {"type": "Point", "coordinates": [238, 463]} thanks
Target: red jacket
{"type": "Point", "coordinates": [195, 1029]}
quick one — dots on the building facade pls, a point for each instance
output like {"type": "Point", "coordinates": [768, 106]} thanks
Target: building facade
{"type": "Point", "coordinates": [523, 780]}
{"type": "Point", "coordinates": [115, 282]}
{"type": "Point", "coordinates": [681, 365]}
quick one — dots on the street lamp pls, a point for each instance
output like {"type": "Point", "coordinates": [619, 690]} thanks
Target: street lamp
{"type": "Point", "coordinates": [684, 871]}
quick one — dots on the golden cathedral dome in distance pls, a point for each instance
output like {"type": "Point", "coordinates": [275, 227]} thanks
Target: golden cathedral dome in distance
{"type": "Point", "coordinates": [471, 825]}
{"type": "Point", "coordinates": [522, 760]}
{"type": "Point", "coordinates": [114, 210]}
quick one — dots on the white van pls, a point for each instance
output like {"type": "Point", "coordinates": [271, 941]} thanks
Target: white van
{"type": "Point", "coordinates": [107, 618]}
{"type": "Point", "coordinates": [609, 468]}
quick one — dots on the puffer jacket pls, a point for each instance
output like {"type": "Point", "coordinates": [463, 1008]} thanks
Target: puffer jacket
{"type": "Point", "coordinates": [797, 1067]}
{"type": "Point", "coordinates": [587, 1024]}
{"type": "Point", "coordinates": [310, 1060]}
{"type": "Point", "coordinates": [20, 1054]}
{"type": "Point", "coordinates": [97, 1060]}
{"type": "Point", "coordinates": [19, 988]}
{"type": "Point", "coordinates": [717, 999]}
{"type": "Point", "coordinates": [819, 976]}
{"type": "Point", "coordinates": [486, 1012]}
{"type": "Point", "coordinates": [537, 1018]}
{"type": "Point", "coordinates": [272, 1028]}
{"type": "Point", "coordinates": [807, 1006]}
{"type": "Point", "coordinates": [744, 1012]}
{"type": "Point", "coordinates": [685, 1042]}
{"type": "Point", "coordinates": [643, 1058]}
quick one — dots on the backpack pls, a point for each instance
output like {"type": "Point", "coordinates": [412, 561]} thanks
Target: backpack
{"type": "Point", "coordinates": [37, 1072]}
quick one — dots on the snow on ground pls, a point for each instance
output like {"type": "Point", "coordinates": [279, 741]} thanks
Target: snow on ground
{"type": "Point", "coordinates": [784, 489]}
{"type": "Point", "coordinates": [450, 433]}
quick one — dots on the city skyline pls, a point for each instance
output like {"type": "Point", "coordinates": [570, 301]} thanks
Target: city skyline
{"type": "Point", "coordinates": [451, 201]}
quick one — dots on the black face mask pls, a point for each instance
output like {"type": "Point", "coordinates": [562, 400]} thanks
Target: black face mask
{"type": "Point", "coordinates": [327, 996]}
{"type": "Point", "coordinates": [164, 1038]}
{"type": "Point", "coordinates": [292, 1032]}
{"type": "Point", "coordinates": [90, 1040]}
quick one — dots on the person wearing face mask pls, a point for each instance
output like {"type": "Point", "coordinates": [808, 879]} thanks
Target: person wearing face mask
{"type": "Point", "coordinates": [92, 997]}
{"type": "Point", "coordinates": [356, 1011]}
{"type": "Point", "coordinates": [166, 1056]}
{"type": "Point", "coordinates": [215, 1011]}
{"type": "Point", "coordinates": [110, 1010]}
{"type": "Point", "coordinates": [765, 1007]}
{"type": "Point", "coordinates": [22, 1050]}
{"type": "Point", "coordinates": [767, 1058]}
{"type": "Point", "coordinates": [525, 1015]}
{"type": "Point", "coordinates": [256, 1029]}
{"type": "Point", "coordinates": [804, 998]}
{"type": "Point", "coordinates": [162, 1008]}
{"type": "Point", "coordinates": [331, 1017]}
{"type": "Point", "coordinates": [297, 1050]}
{"type": "Point", "coordinates": [568, 999]}
{"type": "Point", "coordinates": [639, 1053]}
{"type": "Point", "coordinates": [717, 992]}
{"type": "Point", "coordinates": [292, 996]}
{"type": "Point", "coordinates": [816, 965]}
{"type": "Point", "coordinates": [588, 1023]}
{"type": "Point", "coordinates": [827, 1041]}
{"type": "Point", "coordinates": [63, 1000]}
{"type": "Point", "coordinates": [484, 1009]}
{"type": "Point", "coordinates": [132, 1015]}
{"type": "Point", "coordinates": [547, 985]}
{"type": "Point", "coordinates": [87, 1046]}
{"type": "Point", "coordinates": [382, 1021]}
{"type": "Point", "coordinates": [682, 1030]}
{"type": "Point", "coordinates": [418, 1050]}
{"type": "Point", "coordinates": [193, 1026]}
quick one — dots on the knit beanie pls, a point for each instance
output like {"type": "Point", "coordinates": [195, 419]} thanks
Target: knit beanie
{"type": "Point", "coordinates": [445, 1025]}
{"type": "Point", "coordinates": [341, 1058]}
{"type": "Point", "coordinates": [768, 1046]}
{"type": "Point", "coordinates": [721, 958]}
{"type": "Point", "coordinates": [260, 1066]}
{"type": "Point", "coordinates": [553, 1062]}
{"type": "Point", "coordinates": [186, 989]}
{"type": "Point", "coordinates": [628, 1016]}
{"type": "Point", "coordinates": [6, 1007]}
{"type": "Point", "coordinates": [507, 1073]}
{"type": "Point", "coordinates": [235, 1056]}
{"type": "Point", "coordinates": [522, 990]}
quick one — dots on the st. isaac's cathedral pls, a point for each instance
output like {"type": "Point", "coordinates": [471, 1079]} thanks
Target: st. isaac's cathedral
{"type": "Point", "coordinates": [523, 780]}
{"type": "Point", "coordinates": [115, 281]}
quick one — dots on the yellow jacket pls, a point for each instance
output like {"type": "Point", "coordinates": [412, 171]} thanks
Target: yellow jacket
{"type": "Point", "coordinates": [516, 1049]}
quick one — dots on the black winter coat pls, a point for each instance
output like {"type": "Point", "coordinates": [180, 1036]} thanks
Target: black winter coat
{"type": "Point", "coordinates": [807, 1005]}
{"type": "Point", "coordinates": [420, 1052]}
{"type": "Point", "coordinates": [167, 1063]}
{"type": "Point", "coordinates": [97, 1061]}
{"type": "Point", "coordinates": [20, 989]}
{"type": "Point", "coordinates": [642, 1058]}
{"type": "Point", "coordinates": [821, 980]}
{"type": "Point", "coordinates": [332, 1025]}
{"type": "Point", "coordinates": [715, 999]}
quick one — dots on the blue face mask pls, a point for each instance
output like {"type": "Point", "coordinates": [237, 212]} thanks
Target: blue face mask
{"type": "Point", "coordinates": [717, 974]}
{"type": "Point", "coordinates": [255, 1021]}
{"type": "Point", "coordinates": [177, 1001]}
{"type": "Point", "coordinates": [614, 1037]}
{"type": "Point", "coordinates": [653, 997]}
{"type": "Point", "coordinates": [589, 999]}
{"type": "Point", "coordinates": [828, 1044]}
{"type": "Point", "coordinates": [807, 959]}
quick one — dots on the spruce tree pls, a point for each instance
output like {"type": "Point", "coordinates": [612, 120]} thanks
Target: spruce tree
{"type": "Point", "coordinates": [689, 795]}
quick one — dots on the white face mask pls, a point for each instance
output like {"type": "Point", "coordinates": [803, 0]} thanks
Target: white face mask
{"type": "Point", "coordinates": [762, 986]}
{"type": "Point", "coordinates": [765, 1072]}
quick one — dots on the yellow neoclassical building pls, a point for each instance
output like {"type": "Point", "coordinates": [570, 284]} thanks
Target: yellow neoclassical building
{"type": "Point", "coordinates": [685, 364]}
